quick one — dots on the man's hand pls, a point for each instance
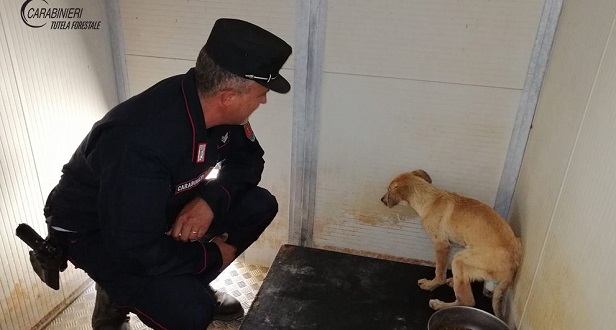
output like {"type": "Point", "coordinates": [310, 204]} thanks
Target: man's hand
{"type": "Point", "coordinates": [193, 221]}
{"type": "Point", "coordinates": [227, 251]}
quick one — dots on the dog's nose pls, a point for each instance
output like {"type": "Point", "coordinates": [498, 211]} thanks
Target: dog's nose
{"type": "Point", "coordinates": [384, 200]}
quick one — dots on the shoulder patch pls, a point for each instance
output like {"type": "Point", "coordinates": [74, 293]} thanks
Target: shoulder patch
{"type": "Point", "coordinates": [249, 133]}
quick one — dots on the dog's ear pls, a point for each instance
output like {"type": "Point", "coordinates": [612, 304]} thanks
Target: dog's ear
{"type": "Point", "coordinates": [422, 174]}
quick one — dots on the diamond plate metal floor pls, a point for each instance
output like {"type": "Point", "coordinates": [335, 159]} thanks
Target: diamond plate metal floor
{"type": "Point", "coordinates": [239, 279]}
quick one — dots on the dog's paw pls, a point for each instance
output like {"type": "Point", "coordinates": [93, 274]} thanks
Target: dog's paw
{"type": "Point", "coordinates": [427, 284]}
{"type": "Point", "coordinates": [449, 281]}
{"type": "Point", "coordinates": [436, 304]}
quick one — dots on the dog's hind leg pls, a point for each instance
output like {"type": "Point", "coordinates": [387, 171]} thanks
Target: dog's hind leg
{"type": "Point", "coordinates": [462, 281]}
{"type": "Point", "coordinates": [461, 270]}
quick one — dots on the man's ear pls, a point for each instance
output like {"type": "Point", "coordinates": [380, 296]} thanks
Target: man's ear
{"type": "Point", "coordinates": [227, 96]}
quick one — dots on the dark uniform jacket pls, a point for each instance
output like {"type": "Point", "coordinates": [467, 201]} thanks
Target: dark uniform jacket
{"type": "Point", "coordinates": [139, 165]}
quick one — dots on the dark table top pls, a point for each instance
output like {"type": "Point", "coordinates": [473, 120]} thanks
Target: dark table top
{"type": "Point", "coordinates": [308, 288]}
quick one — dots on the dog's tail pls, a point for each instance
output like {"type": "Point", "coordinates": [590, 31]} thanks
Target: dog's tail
{"type": "Point", "coordinates": [499, 290]}
{"type": "Point", "coordinates": [497, 296]}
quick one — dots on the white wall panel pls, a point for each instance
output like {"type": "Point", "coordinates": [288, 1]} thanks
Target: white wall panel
{"type": "Point", "coordinates": [54, 84]}
{"type": "Point", "coordinates": [66, 79]}
{"type": "Point", "coordinates": [144, 72]}
{"type": "Point", "coordinates": [572, 275]}
{"type": "Point", "coordinates": [17, 182]}
{"type": "Point", "coordinates": [178, 29]}
{"type": "Point", "coordinates": [564, 202]}
{"type": "Point", "coordinates": [163, 38]}
{"type": "Point", "coordinates": [414, 84]}
{"type": "Point", "coordinates": [584, 214]}
{"type": "Point", "coordinates": [272, 126]}
{"type": "Point", "coordinates": [476, 42]}
{"type": "Point", "coordinates": [374, 128]}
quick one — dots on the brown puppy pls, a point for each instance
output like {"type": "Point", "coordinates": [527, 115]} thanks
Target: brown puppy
{"type": "Point", "coordinates": [492, 252]}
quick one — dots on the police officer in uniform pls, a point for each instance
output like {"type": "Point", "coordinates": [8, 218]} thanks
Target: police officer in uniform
{"type": "Point", "coordinates": [136, 206]}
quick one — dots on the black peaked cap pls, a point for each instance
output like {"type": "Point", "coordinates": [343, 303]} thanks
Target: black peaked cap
{"type": "Point", "coordinates": [249, 51]}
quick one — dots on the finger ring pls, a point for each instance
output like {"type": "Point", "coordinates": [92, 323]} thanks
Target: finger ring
{"type": "Point", "coordinates": [194, 232]}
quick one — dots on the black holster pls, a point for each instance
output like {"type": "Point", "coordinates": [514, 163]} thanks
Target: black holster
{"type": "Point", "coordinates": [48, 256]}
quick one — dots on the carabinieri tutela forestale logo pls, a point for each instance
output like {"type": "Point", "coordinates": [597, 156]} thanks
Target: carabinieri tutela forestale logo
{"type": "Point", "coordinates": [39, 13]}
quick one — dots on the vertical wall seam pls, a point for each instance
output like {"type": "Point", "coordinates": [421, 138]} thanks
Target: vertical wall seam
{"type": "Point", "coordinates": [527, 106]}
{"type": "Point", "coordinates": [297, 148]}
{"type": "Point", "coordinates": [118, 51]}
{"type": "Point", "coordinates": [314, 79]}
{"type": "Point", "coordinates": [526, 112]}
{"type": "Point", "coordinates": [309, 44]}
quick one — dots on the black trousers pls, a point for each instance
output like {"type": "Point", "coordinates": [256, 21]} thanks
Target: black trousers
{"type": "Point", "coordinates": [180, 301]}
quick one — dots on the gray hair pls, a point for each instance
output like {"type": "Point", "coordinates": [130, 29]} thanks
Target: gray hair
{"type": "Point", "coordinates": [212, 79]}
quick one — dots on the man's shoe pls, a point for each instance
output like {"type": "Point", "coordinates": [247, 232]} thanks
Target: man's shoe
{"type": "Point", "coordinates": [226, 307]}
{"type": "Point", "coordinates": [106, 315]}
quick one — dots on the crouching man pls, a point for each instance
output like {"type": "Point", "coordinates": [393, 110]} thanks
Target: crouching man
{"type": "Point", "coordinates": [135, 207]}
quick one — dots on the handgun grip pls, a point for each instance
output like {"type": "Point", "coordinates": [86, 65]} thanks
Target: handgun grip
{"type": "Point", "coordinates": [29, 236]}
